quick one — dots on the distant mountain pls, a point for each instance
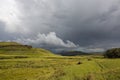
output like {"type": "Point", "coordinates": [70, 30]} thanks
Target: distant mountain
{"type": "Point", "coordinates": [73, 53]}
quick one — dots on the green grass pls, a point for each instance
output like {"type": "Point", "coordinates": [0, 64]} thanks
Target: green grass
{"type": "Point", "coordinates": [40, 64]}
{"type": "Point", "coordinates": [9, 43]}
{"type": "Point", "coordinates": [59, 68]}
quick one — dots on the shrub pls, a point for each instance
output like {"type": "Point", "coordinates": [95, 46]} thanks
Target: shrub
{"type": "Point", "coordinates": [79, 63]}
{"type": "Point", "coordinates": [89, 59]}
{"type": "Point", "coordinates": [112, 53]}
{"type": "Point", "coordinates": [20, 57]}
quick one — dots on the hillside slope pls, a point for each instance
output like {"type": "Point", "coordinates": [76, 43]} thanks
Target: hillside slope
{"type": "Point", "coordinates": [9, 43]}
{"type": "Point", "coordinates": [73, 53]}
{"type": "Point", "coordinates": [13, 48]}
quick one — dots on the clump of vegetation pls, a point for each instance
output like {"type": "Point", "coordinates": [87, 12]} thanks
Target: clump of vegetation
{"type": "Point", "coordinates": [20, 57]}
{"type": "Point", "coordinates": [112, 53]}
{"type": "Point", "coordinates": [79, 63]}
{"type": "Point", "coordinates": [90, 77]}
{"type": "Point", "coordinates": [89, 59]}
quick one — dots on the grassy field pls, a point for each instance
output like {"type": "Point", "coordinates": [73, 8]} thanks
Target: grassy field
{"type": "Point", "coordinates": [59, 68]}
{"type": "Point", "coordinates": [40, 64]}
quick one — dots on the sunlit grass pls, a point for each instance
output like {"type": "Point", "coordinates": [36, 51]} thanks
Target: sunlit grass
{"type": "Point", "coordinates": [59, 68]}
{"type": "Point", "coordinates": [40, 64]}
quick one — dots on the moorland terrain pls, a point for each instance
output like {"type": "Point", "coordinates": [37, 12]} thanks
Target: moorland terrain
{"type": "Point", "coordinates": [22, 62]}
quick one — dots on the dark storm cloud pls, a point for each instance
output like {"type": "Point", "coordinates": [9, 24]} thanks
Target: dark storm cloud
{"type": "Point", "coordinates": [3, 34]}
{"type": "Point", "coordinates": [97, 29]}
{"type": "Point", "coordinates": [88, 23]}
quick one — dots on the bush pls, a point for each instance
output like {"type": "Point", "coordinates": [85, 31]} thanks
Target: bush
{"type": "Point", "coordinates": [79, 63]}
{"type": "Point", "coordinates": [20, 57]}
{"type": "Point", "coordinates": [112, 53]}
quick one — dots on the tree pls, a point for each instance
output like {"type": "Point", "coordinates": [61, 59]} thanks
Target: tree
{"type": "Point", "coordinates": [112, 53]}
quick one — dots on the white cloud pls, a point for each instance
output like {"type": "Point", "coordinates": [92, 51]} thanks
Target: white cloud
{"type": "Point", "coordinates": [95, 50]}
{"type": "Point", "coordinates": [47, 41]}
{"type": "Point", "coordinates": [10, 14]}
{"type": "Point", "coordinates": [85, 22]}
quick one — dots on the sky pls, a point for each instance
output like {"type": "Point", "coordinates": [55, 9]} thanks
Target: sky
{"type": "Point", "coordinates": [83, 25]}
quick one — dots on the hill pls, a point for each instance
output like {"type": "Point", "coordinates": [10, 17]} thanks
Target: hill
{"type": "Point", "coordinates": [9, 43]}
{"type": "Point", "coordinates": [18, 62]}
{"type": "Point", "coordinates": [72, 53]}
{"type": "Point", "coordinates": [13, 48]}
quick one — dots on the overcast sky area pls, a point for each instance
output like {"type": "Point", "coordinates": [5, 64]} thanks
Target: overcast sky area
{"type": "Point", "coordinates": [87, 25]}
